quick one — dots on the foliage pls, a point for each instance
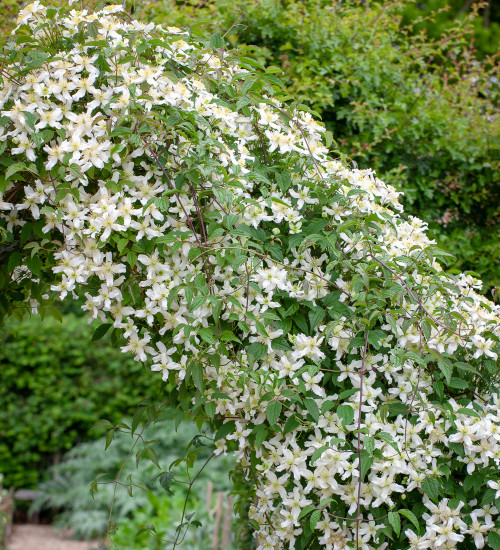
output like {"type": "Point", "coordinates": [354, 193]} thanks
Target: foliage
{"type": "Point", "coordinates": [54, 387]}
{"type": "Point", "coordinates": [439, 15]}
{"type": "Point", "coordinates": [161, 513]}
{"type": "Point", "coordinates": [424, 114]}
{"type": "Point", "coordinates": [88, 513]}
{"type": "Point", "coordinates": [282, 295]}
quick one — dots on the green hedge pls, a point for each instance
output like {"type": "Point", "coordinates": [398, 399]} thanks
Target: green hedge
{"type": "Point", "coordinates": [424, 113]}
{"type": "Point", "coordinates": [55, 386]}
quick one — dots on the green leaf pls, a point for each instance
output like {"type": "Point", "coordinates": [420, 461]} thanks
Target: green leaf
{"type": "Point", "coordinates": [206, 334]}
{"type": "Point", "coordinates": [100, 331]}
{"type": "Point", "coordinates": [306, 510]}
{"type": "Point", "coordinates": [369, 443]}
{"type": "Point", "coordinates": [197, 302]}
{"type": "Point", "coordinates": [446, 368]}
{"type": "Point", "coordinates": [109, 438]}
{"type": "Point", "coordinates": [494, 540]}
{"type": "Point", "coordinates": [430, 486]}
{"type": "Point", "coordinates": [197, 375]}
{"type": "Point", "coordinates": [14, 169]}
{"type": "Point", "coordinates": [312, 408]}
{"type": "Point", "coordinates": [260, 437]}
{"type": "Point", "coordinates": [388, 439]}
{"type": "Point", "coordinates": [34, 264]}
{"type": "Point", "coordinates": [291, 424]}
{"type": "Point", "coordinates": [465, 367]}
{"type": "Point", "coordinates": [257, 350]}
{"type": "Point", "coordinates": [316, 315]}
{"type": "Point", "coordinates": [216, 41]}
{"type": "Point", "coordinates": [166, 480]}
{"type": "Point", "coordinates": [366, 463]}
{"type": "Point", "coordinates": [210, 409]}
{"type": "Point", "coordinates": [346, 414]}
{"type": "Point", "coordinates": [412, 517]}
{"type": "Point", "coordinates": [15, 260]}
{"type": "Point", "coordinates": [273, 412]}
{"type": "Point", "coordinates": [315, 517]}
{"type": "Point", "coordinates": [318, 452]}
{"type": "Point", "coordinates": [395, 522]}
{"type": "Point", "coordinates": [224, 430]}
{"type": "Point", "coordinates": [469, 412]}
{"type": "Point", "coordinates": [102, 423]}
{"type": "Point", "coordinates": [228, 336]}
{"type": "Point", "coordinates": [458, 383]}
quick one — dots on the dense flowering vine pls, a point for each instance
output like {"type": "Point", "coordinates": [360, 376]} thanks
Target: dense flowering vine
{"type": "Point", "coordinates": [281, 293]}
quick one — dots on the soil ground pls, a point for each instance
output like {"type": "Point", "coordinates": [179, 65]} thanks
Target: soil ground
{"type": "Point", "coordinates": [45, 537]}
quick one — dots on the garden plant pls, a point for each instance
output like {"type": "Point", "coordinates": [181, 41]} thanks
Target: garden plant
{"type": "Point", "coordinates": [422, 112]}
{"type": "Point", "coordinates": [281, 293]}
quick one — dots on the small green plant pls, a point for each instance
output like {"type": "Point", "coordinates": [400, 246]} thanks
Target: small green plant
{"type": "Point", "coordinates": [139, 485]}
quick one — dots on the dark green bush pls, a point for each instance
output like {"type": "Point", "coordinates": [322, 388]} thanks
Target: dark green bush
{"type": "Point", "coordinates": [422, 112]}
{"type": "Point", "coordinates": [55, 386]}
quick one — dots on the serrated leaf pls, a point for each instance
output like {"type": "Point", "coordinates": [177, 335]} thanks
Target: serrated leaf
{"type": "Point", "coordinates": [260, 437]}
{"type": "Point", "coordinates": [410, 516]}
{"type": "Point", "coordinates": [446, 368]}
{"type": "Point", "coordinates": [366, 463]}
{"type": "Point", "coordinates": [109, 438]}
{"type": "Point", "coordinates": [312, 408]}
{"type": "Point", "coordinates": [369, 443]}
{"type": "Point", "coordinates": [430, 487]}
{"type": "Point", "coordinates": [34, 264]}
{"type": "Point", "coordinates": [153, 456]}
{"type": "Point", "coordinates": [216, 41]}
{"type": "Point", "coordinates": [197, 302]}
{"type": "Point", "coordinates": [102, 423]}
{"type": "Point", "coordinates": [273, 412]}
{"type": "Point", "coordinates": [166, 480]}
{"type": "Point", "coordinates": [346, 414]}
{"type": "Point", "coordinates": [316, 315]}
{"type": "Point", "coordinates": [469, 412]}
{"type": "Point", "coordinates": [257, 350]}
{"type": "Point", "coordinates": [206, 334]}
{"type": "Point", "coordinates": [210, 409]}
{"type": "Point", "coordinates": [458, 383]}
{"type": "Point", "coordinates": [224, 430]}
{"type": "Point", "coordinates": [395, 522]}
{"type": "Point", "coordinates": [15, 260]}
{"type": "Point", "coordinates": [137, 418]}
{"type": "Point", "coordinates": [197, 375]}
{"type": "Point", "coordinates": [306, 510]}
{"type": "Point", "coordinates": [315, 517]}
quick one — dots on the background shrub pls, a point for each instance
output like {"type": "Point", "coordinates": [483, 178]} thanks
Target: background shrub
{"type": "Point", "coordinates": [423, 113]}
{"type": "Point", "coordinates": [486, 22]}
{"type": "Point", "coordinates": [55, 385]}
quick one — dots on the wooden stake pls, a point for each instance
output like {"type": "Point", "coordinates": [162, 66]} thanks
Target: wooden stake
{"type": "Point", "coordinates": [226, 530]}
{"type": "Point", "coordinates": [218, 517]}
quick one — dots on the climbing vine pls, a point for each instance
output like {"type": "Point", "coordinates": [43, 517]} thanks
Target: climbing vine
{"type": "Point", "coordinates": [282, 295]}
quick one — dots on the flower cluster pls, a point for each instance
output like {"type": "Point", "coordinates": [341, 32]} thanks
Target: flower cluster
{"type": "Point", "coordinates": [282, 293]}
